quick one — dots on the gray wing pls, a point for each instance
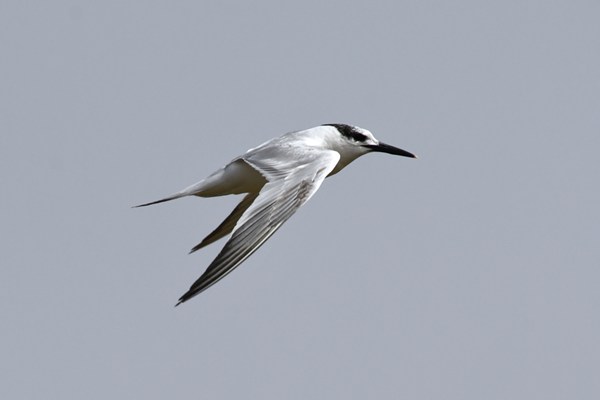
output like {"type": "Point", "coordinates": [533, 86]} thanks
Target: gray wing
{"type": "Point", "coordinates": [291, 182]}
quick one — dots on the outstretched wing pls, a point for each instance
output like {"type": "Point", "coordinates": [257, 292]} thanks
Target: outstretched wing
{"type": "Point", "coordinates": [291, 182]}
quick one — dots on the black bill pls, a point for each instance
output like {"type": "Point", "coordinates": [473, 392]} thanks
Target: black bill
{"type": "Point", "coordinates": [386, 148]}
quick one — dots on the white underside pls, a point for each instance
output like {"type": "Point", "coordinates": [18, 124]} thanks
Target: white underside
{"type": "Point", "coordinates": [235, 178]}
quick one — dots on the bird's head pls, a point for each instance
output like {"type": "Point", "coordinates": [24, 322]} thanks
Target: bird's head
{"type": "Point", "coordinates": [352, 142]}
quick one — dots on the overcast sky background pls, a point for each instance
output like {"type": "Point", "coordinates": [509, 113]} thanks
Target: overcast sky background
{"type": "Point", "coordinates": [470, 273]}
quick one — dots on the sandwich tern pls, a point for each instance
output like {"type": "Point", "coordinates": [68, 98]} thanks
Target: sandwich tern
{"type": "Point", "coordinates": [278, 177]}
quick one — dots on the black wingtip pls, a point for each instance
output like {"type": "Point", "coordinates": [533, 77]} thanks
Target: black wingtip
{"type": "Point", "coordinates": [184, 298]}
{"type": "Point", "coordinates": [198, 247]}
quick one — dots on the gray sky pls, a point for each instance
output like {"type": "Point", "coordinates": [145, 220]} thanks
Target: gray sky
{"type": "Point", "coordinates": [471, 273]}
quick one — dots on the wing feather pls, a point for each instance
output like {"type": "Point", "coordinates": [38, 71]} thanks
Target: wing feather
{"type": "Point", "coordinates": [288, 188]}
{"type": "Point", "coordinates": [228, 224]}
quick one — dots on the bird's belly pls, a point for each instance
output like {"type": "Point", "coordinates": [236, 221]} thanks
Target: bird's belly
{"type": "Point", "coordinates": [235, 178]}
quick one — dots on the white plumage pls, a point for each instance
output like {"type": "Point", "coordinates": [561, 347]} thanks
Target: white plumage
{"type": "Point", "coordinates": [278, 176]}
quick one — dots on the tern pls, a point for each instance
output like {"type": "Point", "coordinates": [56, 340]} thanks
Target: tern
{"type": "Point", "coordinates": [278, 177]}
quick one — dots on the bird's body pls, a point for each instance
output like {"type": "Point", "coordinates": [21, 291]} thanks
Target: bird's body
{"type": "Point", "coordinates": [278, 176]}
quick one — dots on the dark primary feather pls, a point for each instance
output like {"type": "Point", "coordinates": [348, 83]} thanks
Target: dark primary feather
{"type": "Point", "coordinates": [228, 224]}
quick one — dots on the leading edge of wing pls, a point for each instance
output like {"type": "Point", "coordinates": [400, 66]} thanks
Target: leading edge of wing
{"type": "Point", "coordinates": [276, 203]}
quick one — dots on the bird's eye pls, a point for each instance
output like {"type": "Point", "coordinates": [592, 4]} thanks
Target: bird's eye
{"type": "Point", "coordinates": [349, 132]}
{"type": "Point", "coordinates": [359, 137]}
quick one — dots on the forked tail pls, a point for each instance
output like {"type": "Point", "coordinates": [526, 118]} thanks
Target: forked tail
{"type": "Point", "coordinates": [172, 197]}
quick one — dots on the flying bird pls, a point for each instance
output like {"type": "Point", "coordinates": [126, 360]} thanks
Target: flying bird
{"type": "Point", "coordinates": [278, 177]}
